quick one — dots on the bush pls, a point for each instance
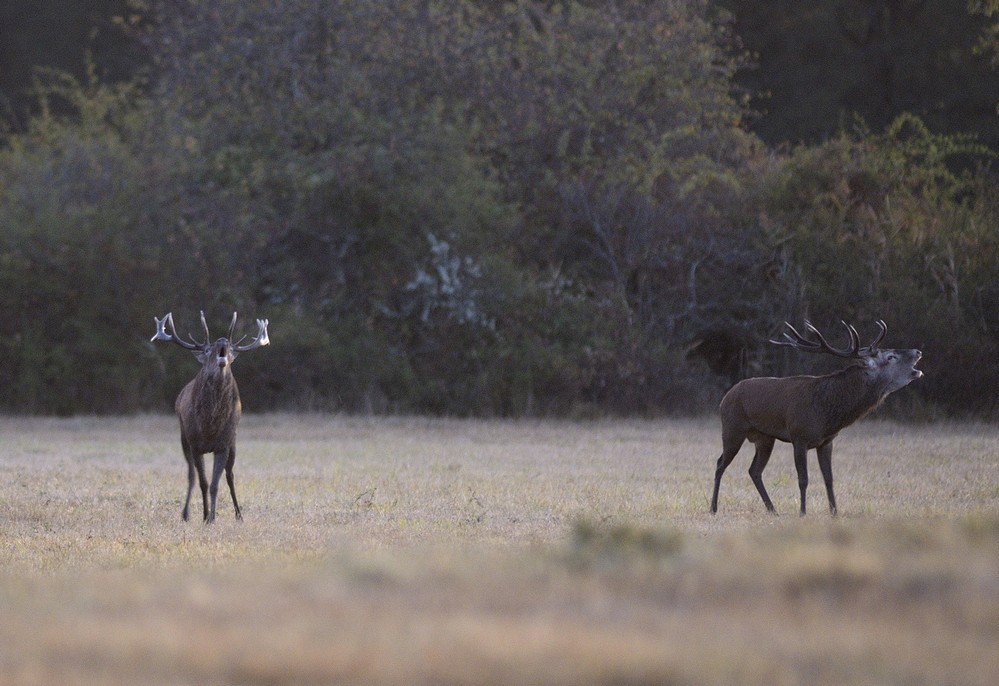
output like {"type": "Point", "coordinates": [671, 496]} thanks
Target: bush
{"type": "Point", "coordinates": [895, 226]}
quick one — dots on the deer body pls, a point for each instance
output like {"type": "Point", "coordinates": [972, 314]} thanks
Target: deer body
{"type": "Point", "coordinates": [808, 411]}
{"type": "Point", "coordinates": [832, 403]}
{"type": "Point", "coordinates": [209, 409]}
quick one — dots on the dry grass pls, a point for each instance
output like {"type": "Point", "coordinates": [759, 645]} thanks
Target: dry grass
{"type": "Point", "coordinates": [412, 551]}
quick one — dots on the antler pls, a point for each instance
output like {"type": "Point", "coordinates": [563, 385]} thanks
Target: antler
{"type": "Point", "coordinates": [257, 342]}
{"type": "Point", "coordinates": [204, 324]}
{"type": "Point", "coordinates": [171, 336]}
{"type": "Point", "coordinates": [798, 342]}
{"type": "Point", "coordinates": [873, 347]}
{"type": "Point", "coordinates": [165, 331]}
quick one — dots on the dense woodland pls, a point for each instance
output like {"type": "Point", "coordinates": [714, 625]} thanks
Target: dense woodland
{"type": "Point", "coordinates": [480, 208]}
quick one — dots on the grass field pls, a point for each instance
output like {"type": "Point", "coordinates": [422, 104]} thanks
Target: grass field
{"type": "Point", "coordinates": [416, 551]}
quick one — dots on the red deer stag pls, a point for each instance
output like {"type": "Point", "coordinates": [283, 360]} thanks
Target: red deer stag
{"type": "Point", "coordinates": [809, 411]}
{"type": "Point", "coordinates": [209, 408]}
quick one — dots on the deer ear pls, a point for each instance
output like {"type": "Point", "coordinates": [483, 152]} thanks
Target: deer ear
{"type": "Point", "coordinates": [201, 355]}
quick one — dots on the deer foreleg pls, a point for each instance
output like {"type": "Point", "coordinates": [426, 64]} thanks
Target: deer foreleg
{"type": "Point", "coordinates": [190, 479]}
{"type": "Point", "coordinates": [230, 479]}
{"type": "Point", "coordinates": [199, 465]}
{"type": "Point", "coordinates": [801, 465]}
{"type": "Point", "coordinates": [825, 464]}
{"type": "Point", "coordinates": [220, 461]}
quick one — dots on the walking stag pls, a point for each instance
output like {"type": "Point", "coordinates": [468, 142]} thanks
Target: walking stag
{"type": "Point", "coordinates": [809, 411]}
{"type": "Point", "coordinates": [209, 408]}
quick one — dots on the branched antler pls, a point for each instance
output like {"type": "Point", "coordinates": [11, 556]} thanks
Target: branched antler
{"type": "Point", "coordinates": [820, 345]}
{"type": "Point", "coordinates": [162, 334]}
{"type": "Point", "coordinates": [257, 342]}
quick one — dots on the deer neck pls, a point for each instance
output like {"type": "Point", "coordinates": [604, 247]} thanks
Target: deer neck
{"type": "Point", "coordinates": [216, 393]}
{"type": "Point", "coordinates": [847, 396]}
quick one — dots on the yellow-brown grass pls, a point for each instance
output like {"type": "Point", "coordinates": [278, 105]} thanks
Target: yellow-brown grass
{"type": "Point", "coordinates": [415, 551]}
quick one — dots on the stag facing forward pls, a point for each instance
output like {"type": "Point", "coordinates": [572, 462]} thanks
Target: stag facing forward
{"type": "Point", "coordinates": [209, 408]}
{"type": "Point", "coordinates": [809, 411]}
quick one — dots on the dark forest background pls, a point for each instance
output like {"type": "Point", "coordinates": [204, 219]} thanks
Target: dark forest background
{"type": "Point", "coordinates": [481, 208]}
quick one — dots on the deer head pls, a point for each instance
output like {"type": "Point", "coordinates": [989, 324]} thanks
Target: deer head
{"type": "Point", "coordinates": [214, 357]}
{"type": "Point", "coordinates": [890, 368]}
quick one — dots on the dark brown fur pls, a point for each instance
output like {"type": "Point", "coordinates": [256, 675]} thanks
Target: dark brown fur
{"type": "Point", "coordinates": [209, 409]}
{"type": "Point", "coordinates": [808, 412]}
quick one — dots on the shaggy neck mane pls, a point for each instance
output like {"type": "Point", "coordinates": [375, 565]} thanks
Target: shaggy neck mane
{"type": "Point", "coordinates": [214, 401]}
{"type": "Point", "coordinates": [847, 396]}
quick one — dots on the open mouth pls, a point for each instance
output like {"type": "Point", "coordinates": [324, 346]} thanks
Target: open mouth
{"type": "Point", "coordinates": [917, 373]}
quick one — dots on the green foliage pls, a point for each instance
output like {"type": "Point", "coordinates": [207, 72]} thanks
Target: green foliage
{"type": "Point", "coordinates": [882, 226]}
{"type": "Point", "coordinates": [465, 208]}
{"type": "Point", "coordinates": [875, 58]}
{"type": "Point", "coordinates": [74, 258]}
{"type": "Point", "coordinates": [635, 93]}
{"type": "Point", "coordinates": [866, 209]}
{"type": "Point", "coordinates": [79, 37]}
{"type": "Point", "coordinates": [622, 545]}
{"type": "Point", "coordinates": [989, 41]}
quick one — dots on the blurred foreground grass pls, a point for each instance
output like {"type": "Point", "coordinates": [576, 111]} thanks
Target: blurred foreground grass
{"type": "Point", "coordinates": [411, 551]}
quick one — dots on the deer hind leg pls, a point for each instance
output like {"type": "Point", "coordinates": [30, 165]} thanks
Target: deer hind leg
{"type": "Point", "coordinates": [230, 479]}
{"type": "Point", "coordinates": [764, 446]}
{"type": "Point", "coordinates": [825, 464]}
{"type": "Point", "coordinates": [730, 448]}
{"type": "Point", "coordinates": [801, 465]}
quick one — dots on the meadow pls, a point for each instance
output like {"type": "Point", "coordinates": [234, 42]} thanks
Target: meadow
{"type": "Point", "coordinates": [439, 551]}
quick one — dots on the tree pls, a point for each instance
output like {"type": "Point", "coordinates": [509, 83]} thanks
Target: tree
{"type": "Point", "coordinates": [75, 257]}
{"type": "Point", "coordinates": [989, 41]}
{"type": "Point", "coordinates": [69, 35]}
{"type": "Point", "coordinates": [874, 58]}
{"type": "Point", "coordinates": [879, 226]}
